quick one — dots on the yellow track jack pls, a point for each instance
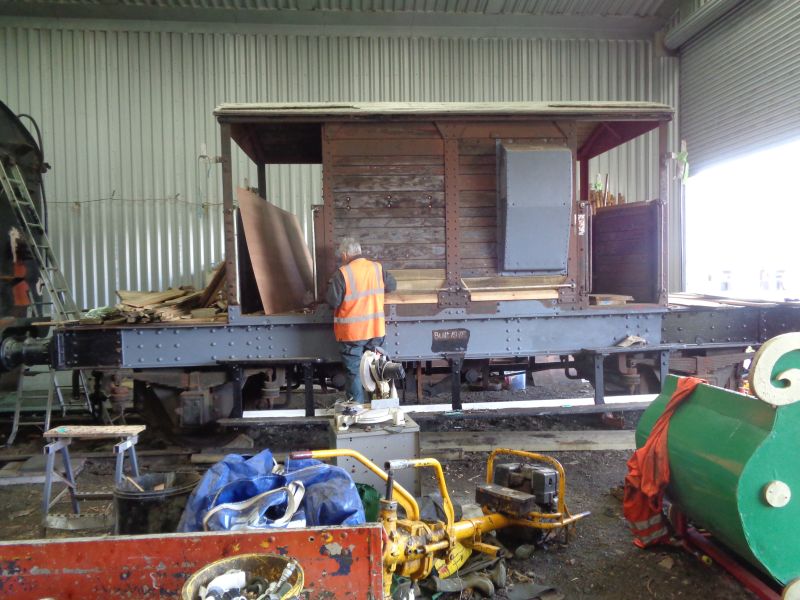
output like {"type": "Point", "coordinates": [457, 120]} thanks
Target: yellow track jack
{"type": "Point", "coordinates": [411, 545]}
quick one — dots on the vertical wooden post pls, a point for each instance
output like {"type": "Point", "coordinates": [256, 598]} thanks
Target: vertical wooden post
{"type": "Point", "coordinates": [328, 264]}
{"type": "Point", "coordinates": [451, 224]}
{"type": "Point", "coordinates": [454, 293]}
{"type": "Point", "coordinates": [583, 180]}
{"type": "Point", "coordinates": [317, 212]}
{"type": "Point", "coordinates": [262, 180]}
{"type": "Point", "coordinates": [228, 218]}
{"type": "Point", "coordinates": [585, 241]}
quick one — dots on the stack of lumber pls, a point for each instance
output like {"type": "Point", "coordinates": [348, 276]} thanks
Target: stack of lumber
{"type": "Point", "coordinates": [609, 299]}
{"type": "Point", "coordinates": [422, 286]}
{"type": "Point", "coordinates": [175, 303]}
{"type": "Point", "coordinates": [148, 307]}
{"type": "Point", "coordinates": [603, 198]}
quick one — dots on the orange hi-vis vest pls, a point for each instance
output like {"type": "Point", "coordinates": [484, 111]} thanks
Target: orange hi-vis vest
{"type": "Point", "coordinates": [648, 475]}
{"type": "Point", "coordinates": [360, 315]}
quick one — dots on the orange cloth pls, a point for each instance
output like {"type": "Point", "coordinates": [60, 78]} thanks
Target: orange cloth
{"type": "Point", "coordinates": [360, 315]}
{"type": "Point", "coordinates": [648, 475]}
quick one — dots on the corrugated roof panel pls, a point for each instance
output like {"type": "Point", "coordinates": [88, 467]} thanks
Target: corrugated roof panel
{"type": "Point", "coordinates": [591, 8]}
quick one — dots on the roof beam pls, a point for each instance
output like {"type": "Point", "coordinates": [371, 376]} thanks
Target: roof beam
{"type": "Point", "coordinates": [160, 18]}
{"type": "Point", "coordinates": [610, 134]}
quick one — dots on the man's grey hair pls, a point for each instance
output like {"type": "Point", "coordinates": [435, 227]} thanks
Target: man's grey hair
{"type": "Point", "coordinates": [349, 246]}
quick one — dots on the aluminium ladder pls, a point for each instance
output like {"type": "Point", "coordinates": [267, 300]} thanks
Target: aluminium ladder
{"type": "Point", "coordinates": [63, 306]}
{"type": "Point", "coordinates": [16, 191]}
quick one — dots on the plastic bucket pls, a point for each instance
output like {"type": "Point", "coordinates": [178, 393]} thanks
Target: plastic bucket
{"type": "Point", "coordinates": [152, 510]}
{"type": "Point", "coordinates": [267, 566]}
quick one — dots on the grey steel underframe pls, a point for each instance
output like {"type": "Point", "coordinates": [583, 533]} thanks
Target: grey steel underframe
{"type": "Point", "coordinates": [513, 331]}
{"type": "Point", "coordinates": [517, 329]}
{"type": "Point", "coordinates": [407, 338]}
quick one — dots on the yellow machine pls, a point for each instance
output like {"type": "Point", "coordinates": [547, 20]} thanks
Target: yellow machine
{"type": "Point", "coordinates": [411, 545]}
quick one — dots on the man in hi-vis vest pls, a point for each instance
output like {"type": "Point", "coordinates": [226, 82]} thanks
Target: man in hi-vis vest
{"type": "Point", "coordinates": [355, 292]}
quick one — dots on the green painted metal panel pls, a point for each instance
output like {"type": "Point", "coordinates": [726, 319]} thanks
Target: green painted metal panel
{"type": "Point", "coordinates": [724, 449]}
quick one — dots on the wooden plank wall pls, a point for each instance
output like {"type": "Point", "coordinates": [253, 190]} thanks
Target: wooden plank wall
{"type": "Point", "coordinates": [625, 252]}
{"type": "Point", "coordinates": [388, 191]}
{"type": "Point", "coordinates": [477, 183]}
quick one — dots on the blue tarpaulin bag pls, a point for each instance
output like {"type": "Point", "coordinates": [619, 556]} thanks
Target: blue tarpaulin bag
{"type": "Point", "coordinates": [330, 497]}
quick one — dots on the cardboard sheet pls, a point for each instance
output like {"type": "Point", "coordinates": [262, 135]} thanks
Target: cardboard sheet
{"type": "Point", "coordinates": [281, 260]}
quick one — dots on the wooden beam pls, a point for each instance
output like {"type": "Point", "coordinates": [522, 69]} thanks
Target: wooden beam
{"type": "Point", "coordinates": [229, 218]}
{"type": "Point", "coordinates": [533, 441]}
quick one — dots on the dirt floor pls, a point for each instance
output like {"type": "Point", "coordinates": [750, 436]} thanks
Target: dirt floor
{"type": "Point", "coordinates": [600, 561]}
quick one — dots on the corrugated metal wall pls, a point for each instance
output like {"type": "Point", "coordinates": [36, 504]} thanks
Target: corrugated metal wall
{"type": "Point", "coordinates": [126, 114]}
{"type": "Point", "coordinates": [740, 83]}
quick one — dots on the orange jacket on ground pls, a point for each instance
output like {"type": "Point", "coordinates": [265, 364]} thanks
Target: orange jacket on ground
{"type": "Point", "coordinates": [360, 315]}
{"type": "Point", "coordinates": [648, 475]}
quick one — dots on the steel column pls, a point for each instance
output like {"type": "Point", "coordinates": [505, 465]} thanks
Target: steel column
{"type": "Point", "coordinates": [456, 361]}
{"type": "Point", "coordinates": [599, 378]}
{"type": "Point", "coordinates": [308, 387]}
{"type": "Point", "coordinates": [663, 366]}
{"type": "Point", "coordinates": [235, 372]}
{"type": "Point", "coordinates": [663, 230]}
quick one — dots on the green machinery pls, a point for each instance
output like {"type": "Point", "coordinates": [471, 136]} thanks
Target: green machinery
{"type": "Point", "coordinates": [735, 461]}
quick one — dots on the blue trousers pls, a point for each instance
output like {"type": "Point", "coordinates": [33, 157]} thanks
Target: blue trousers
{"type": "Point", "coordinates": [351, 358]}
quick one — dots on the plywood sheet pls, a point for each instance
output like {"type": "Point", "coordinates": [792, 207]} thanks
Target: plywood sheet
{"type": "Point", "coordinates": [281, 259]}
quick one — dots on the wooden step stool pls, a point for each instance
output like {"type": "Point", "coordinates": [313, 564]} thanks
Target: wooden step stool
{"type": "Point", "coordinates": [62, 437]}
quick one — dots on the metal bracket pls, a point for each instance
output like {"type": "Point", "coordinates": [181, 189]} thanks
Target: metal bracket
{"type": "Point", "coordinates": [454, 298]}
{"type": "Point", "coordinates": [567, 295]}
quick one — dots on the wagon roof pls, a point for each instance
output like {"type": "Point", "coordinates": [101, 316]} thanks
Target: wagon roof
{"type": "Point", "coordinates": [291, 132]}
{"type": "Point", "coordinates": [596, 111]}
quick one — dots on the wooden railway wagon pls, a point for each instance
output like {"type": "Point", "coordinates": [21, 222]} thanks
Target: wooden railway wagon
{"type": "Point", "coordinates": [482, 213]}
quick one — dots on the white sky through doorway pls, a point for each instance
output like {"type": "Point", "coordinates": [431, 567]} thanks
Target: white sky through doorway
{"type": "Point", "coordinates": [743, 226]}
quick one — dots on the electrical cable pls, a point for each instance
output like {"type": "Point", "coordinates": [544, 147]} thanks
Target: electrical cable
{"type": "Point", "coordinates": [113, 198]}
